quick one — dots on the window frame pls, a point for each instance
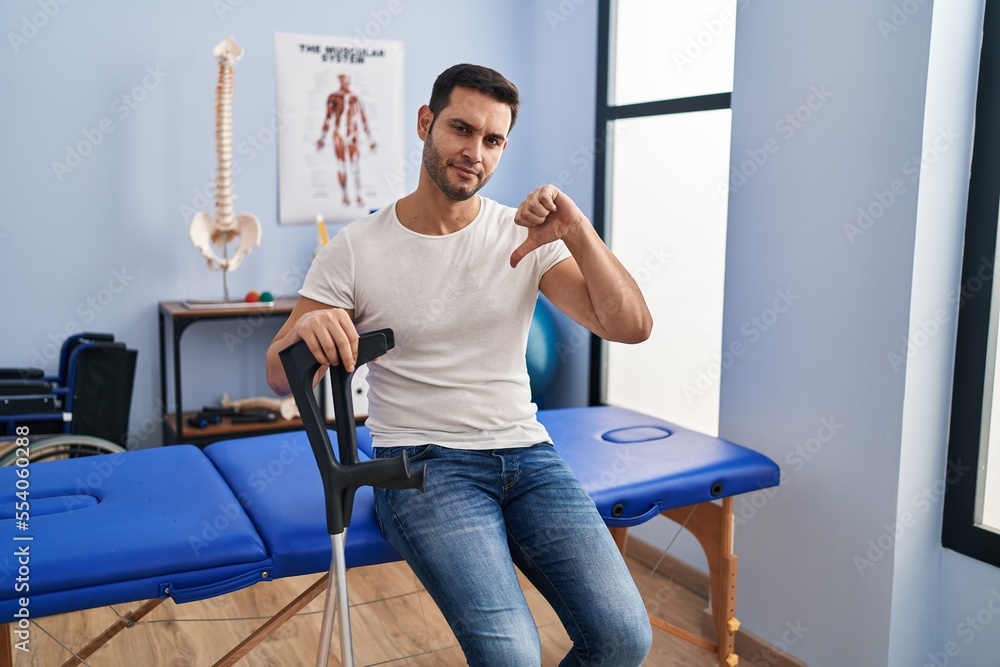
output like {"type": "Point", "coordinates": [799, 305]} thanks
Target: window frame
{"type": "Point", "coordinates": [965, 472]}
{"type": "Point", "coordinates": [605, 114]}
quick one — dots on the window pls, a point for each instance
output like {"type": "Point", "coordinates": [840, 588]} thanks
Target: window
{"type": "Point", "coordinates": [972, 496]}
{"type": "Point", "coordinates": [665, 73]}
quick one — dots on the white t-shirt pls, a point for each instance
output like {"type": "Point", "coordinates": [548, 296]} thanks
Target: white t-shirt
{"type": "Point", "coordinates": [460, 314]}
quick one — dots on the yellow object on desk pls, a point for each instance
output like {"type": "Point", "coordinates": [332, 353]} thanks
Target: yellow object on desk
{"type": "Point", "coordinates": [321, 230]}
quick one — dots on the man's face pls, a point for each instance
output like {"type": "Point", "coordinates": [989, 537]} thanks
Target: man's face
{"type": "Point", "coordinates": [464, 142]}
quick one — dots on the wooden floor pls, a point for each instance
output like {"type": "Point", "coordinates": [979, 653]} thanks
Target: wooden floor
{"type": "Point", "coordinates": [394, 621]}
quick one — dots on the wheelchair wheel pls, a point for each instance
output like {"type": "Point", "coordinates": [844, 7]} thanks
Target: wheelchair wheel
{"type": "Point", "coordinates": [63, 447]}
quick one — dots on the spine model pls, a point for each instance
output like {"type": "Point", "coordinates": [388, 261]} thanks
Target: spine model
{"type": "Point", "coordinates": [212, 234]}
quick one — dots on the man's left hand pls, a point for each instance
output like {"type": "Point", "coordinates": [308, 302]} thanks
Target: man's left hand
{"type": "Point", "coordinates": [549, 216]}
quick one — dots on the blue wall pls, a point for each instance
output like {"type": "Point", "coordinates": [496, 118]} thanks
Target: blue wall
{"type": "Point", "coordinates": [848, 550]}
{"type": "Point", "coordinates": [816, 394]}
{"type": "Point", "coordinates": [96, 247]}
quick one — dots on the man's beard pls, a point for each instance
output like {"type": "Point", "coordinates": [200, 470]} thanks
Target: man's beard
{"type": "Point", "coordinates": [437, 169]}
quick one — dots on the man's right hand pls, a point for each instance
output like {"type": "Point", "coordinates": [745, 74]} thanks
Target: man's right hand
{"type": "Point", "coordinates": [330, 335]}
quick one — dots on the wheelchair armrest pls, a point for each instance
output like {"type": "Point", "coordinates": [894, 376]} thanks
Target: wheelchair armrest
{"type": "Point", "coordinates": [17, 387]}
{"type": "Point", "coordinates": [21, 373]}
{"type": "Point", "coordinates": [90, 335]}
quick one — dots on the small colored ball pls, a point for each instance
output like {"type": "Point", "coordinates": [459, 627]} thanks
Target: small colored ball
{"type": "Point", "coordinates": [266, 297]}
{"type": "Point", "coordinates": [253, 296]}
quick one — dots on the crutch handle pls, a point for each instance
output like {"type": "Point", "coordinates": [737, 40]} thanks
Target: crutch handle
{"type": "Point", "coordinates": [342, 478]}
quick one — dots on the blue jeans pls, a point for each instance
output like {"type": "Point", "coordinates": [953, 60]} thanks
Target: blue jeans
{"type": "Point", "coordinates": [486, 511]}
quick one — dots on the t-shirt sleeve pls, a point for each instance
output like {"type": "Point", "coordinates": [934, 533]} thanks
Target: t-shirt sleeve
{"type": "Point", "coordinates": [551, 254]}
{"type": "Point", "coordinates": [330, 279]}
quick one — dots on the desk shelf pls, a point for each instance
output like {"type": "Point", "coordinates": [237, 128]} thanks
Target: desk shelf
{"type": "Point", "coordinates": [180, 318]}
{"type": "Point", "coordinates": [225, 430]}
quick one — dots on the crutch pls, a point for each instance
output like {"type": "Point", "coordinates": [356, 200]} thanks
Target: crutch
{"type": "Point", "coordinates": [342, 478]}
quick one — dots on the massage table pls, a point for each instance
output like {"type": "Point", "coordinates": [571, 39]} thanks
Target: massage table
{"type": "Point", "coordinates": [188, 524]}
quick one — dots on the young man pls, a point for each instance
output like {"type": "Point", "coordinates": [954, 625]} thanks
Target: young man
{"type": "Point", "coordinates": [456, 277]}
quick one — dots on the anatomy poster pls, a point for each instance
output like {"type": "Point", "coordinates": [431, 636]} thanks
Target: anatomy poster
{"type": "Point", "coordinates": [340, 145]}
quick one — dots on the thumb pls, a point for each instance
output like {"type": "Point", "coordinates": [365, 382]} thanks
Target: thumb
{"type": "Point", "coordinates": [522, 251]}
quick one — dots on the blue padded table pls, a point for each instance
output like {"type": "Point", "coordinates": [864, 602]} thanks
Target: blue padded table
{"type": "Point", "coordinates": [188, 524]}
{"type": "Point", "coordinates": [93, 524]}
{"type": "Point", "coordinates": [142, 525]}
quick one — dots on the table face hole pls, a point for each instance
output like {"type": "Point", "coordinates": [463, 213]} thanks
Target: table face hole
{"type": "Point", "coordinates": [51, 505]}
{"type": "Point", "coordinates": [636, 434]}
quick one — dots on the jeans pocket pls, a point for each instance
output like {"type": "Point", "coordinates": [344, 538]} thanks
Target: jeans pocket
{"type": "Point", "coordinates": [413, 453]}
{"type": "Point", "coordinates": [418, 452]}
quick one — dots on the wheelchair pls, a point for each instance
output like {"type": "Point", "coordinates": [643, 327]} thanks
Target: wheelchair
{"type": "Point", "coordinates": [82, 411]}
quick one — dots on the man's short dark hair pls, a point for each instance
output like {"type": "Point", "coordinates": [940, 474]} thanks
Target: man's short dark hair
{"type": "Point", "coordinates": [483, 79]}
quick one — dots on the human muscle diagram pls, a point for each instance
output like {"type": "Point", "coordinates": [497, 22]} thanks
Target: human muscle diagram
{"type": "Point", "coordinates": [341, 148]}
{"type": "Point", "coordinates": [346, 114]}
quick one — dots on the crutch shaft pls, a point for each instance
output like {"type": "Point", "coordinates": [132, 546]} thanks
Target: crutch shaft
{"type": "Point", "coordinates": [338, 542]}
{"type": "Point", "coordinates": [329, 613]}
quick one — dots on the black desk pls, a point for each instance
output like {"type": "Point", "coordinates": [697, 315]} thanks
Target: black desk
{"type": "Point", "coordinates": [175, 428]}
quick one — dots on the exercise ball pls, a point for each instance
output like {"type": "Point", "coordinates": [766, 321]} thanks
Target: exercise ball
{"type": "Point", "coordinates": [542, 354]}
